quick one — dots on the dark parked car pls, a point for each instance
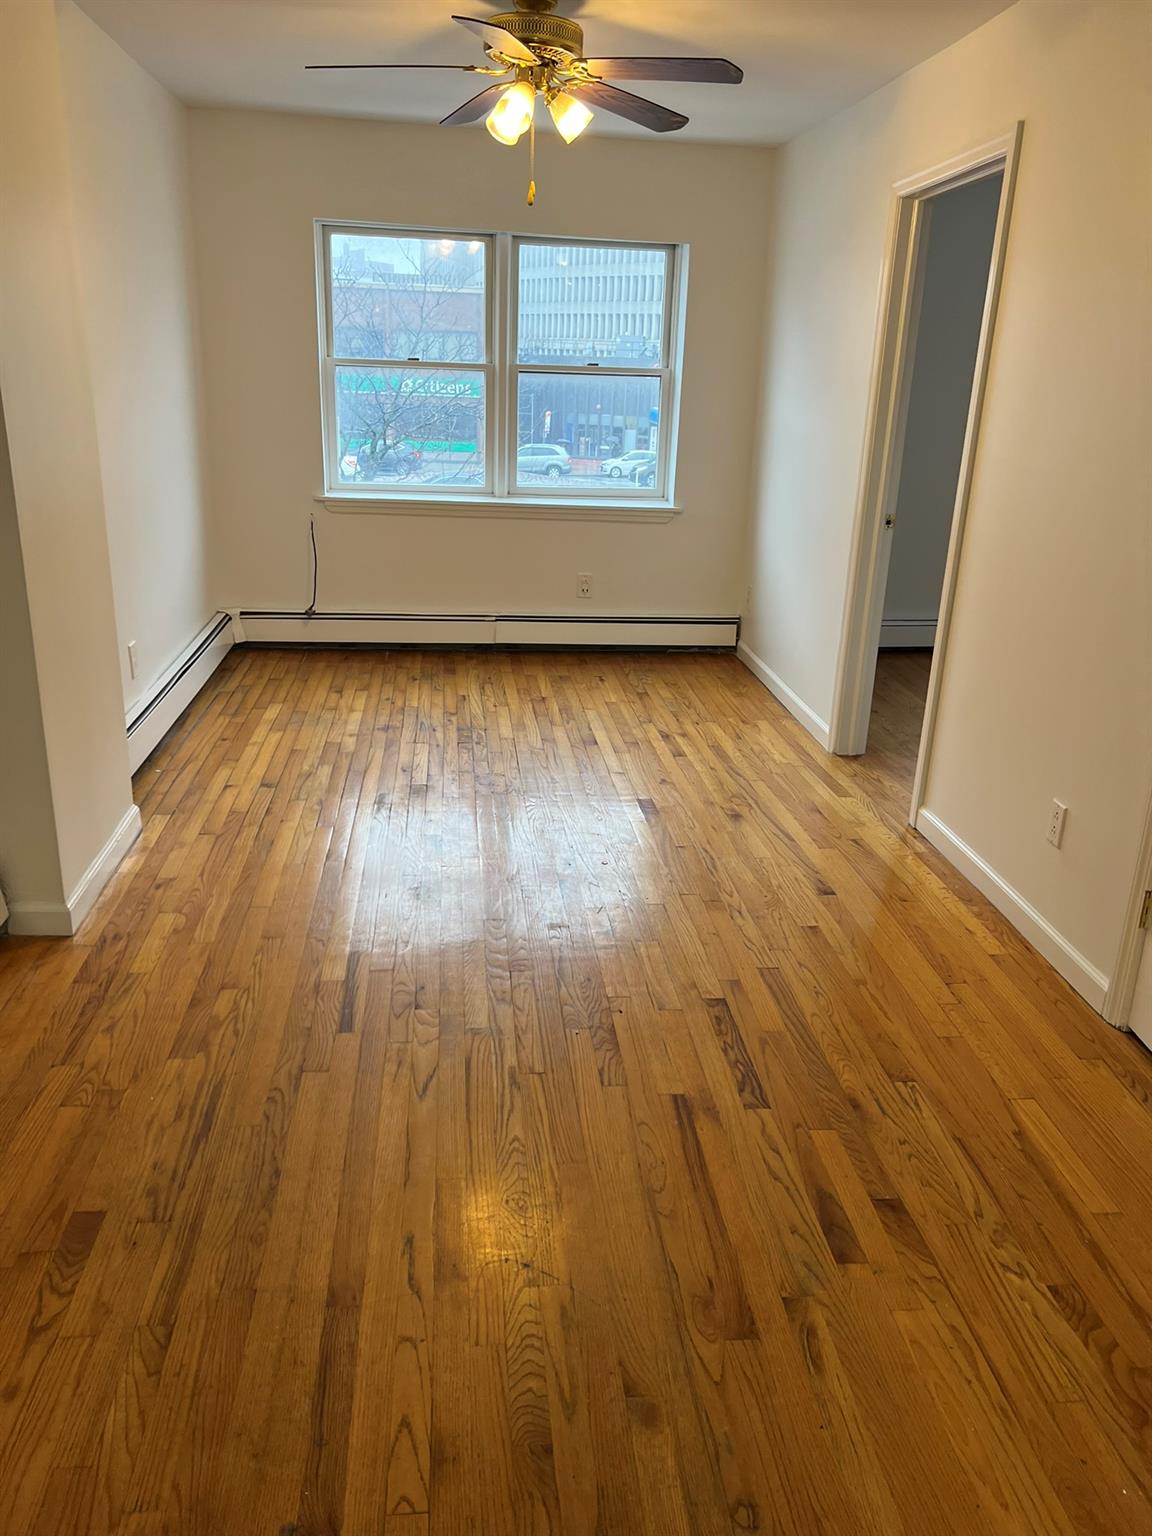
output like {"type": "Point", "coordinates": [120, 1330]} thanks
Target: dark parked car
{"type": "Point", "coordinates": [381, 460]}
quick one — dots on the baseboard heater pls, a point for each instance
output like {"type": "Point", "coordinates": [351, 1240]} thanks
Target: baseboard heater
{"type": "Point", "coordinates": [151, 718]}
{"type": "Point", "coordinates": [268, 627]}
{"type": "Point", "coordinates": [907, 634]}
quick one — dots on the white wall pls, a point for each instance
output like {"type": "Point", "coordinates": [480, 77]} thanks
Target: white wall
{"type": "Point", "coordinates": [955, 281]}
{"type": "Point", "coordinates": [1048, 686]}
{"type": "Point", "coordinates": [128, 137]}
{"type": "Point", "coordinates": [55, 469]}
{"type": "Point", "coordinates": [260, 179]}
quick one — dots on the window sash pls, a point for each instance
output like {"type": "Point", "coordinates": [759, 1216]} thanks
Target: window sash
{"type": "Point", "coordinates": [502, 372]}
{"type": "Point", "coordinates": [670, 297]}
{"type": "Point", "coordinates": [404, 491]}
{"type": "Point", "coordinates": [386, 231]}
{"type": "Point", "coordinates": [620, 491]}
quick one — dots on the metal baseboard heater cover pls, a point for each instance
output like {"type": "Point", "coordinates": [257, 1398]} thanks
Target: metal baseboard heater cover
{"type": "Point", "coordinates": [152, 717]}
{"type": "Point", "coordinates": [269, 626]}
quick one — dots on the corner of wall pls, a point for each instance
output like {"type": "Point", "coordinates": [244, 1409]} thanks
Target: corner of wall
{"type": "Point", "coordinates": [792, 702]}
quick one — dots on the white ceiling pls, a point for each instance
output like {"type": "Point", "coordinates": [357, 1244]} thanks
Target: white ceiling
{"type": "Point", "coordinates": [803, 59]}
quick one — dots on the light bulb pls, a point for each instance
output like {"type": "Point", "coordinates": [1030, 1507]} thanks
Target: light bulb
{"type": "Point", "coordinates": [511, 115]}
{"type": "Point", "coordinates": [570, 116]}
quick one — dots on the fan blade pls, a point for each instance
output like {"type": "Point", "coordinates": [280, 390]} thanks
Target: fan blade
{"type": "Point", "coordinates": [496, 38]}
{"type": "Point", "coordinates": [711, 71]}
{"type": "Point", "coordinates": [649, 114]}
{"type": "Point", "coordinates": [476, 107]}
{"type": "Point", "coordinates": [471, 68]}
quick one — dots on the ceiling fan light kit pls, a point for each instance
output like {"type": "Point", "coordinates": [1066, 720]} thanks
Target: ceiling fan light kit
{"type": "Point", "coordinates": [512, 115]}
{"type": "Point", "coordinates": [543, 55]}
{"type": "Point", "coordinates": [570, 116]}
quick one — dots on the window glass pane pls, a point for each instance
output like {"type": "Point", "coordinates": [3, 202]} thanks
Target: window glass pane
{"type": "Point", "coordinates": [409, 427]}
{"type": "Point", "coordinates": [404, 296]}
{"type": "Point", "coordinates": [599, 430]}
{"type": "Point", "coordinates": [591, 303]}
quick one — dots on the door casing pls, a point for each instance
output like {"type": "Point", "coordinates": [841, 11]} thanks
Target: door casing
{"type": "Point", "coordinates": [897, 319]}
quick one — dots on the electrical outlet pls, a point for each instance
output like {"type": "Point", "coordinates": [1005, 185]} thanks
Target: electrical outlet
{"type": "Point", "coordinates": [584, 585]}
{"type": "Point", "coordinates": [132, 658]}
{"type": "Point", "coordinates": [1056, 823]}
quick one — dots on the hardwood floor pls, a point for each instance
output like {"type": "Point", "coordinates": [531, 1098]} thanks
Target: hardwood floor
{"type": "Point", "coordinates": [543, 1094]}
{"type": "Point", "coordinates": [889, 765]}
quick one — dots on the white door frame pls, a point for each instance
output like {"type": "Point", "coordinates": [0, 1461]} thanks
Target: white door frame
{"type": "Point", "coordinates": [1122, 985]}
{"type": "Point", "coordinates": [898, 314]}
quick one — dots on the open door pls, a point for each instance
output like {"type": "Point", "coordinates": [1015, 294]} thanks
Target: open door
{"type": "Point", "coordinates": [1128, 1004]}
{"type": "Point", "coordinates": [947, 465]}
{"type": "Point", "coordinates": [1140, 1019]}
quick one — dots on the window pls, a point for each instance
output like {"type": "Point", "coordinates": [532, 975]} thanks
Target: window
{"type": "Point", "coordinates": [405, 314]}
{"type": "Point", "coordinates": [571, 395]}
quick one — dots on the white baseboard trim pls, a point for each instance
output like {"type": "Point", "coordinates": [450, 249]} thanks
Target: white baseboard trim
{"type": "Point", "coordinates": [40, 920]}
{"type": "Point", "coordinates": [150, 720]}
{"type": "Point", "coordinates": [1080, 973]}
{"type": "Point", "coordinates": [792, 702]}
{"type": "Point", "coordinates": [270, 628]}
{"type": "Point", "coordinates": [909, 634]}
{"type": "Point", "coordinates": [103, 866]}
{"type": "Point", "coordinates": [61, 919]}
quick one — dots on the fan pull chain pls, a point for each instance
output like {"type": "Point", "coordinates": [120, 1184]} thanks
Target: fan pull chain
{"type": "Point", "coordinates": [532, 162]}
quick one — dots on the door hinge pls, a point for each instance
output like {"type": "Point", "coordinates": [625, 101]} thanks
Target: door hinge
{"type": "Point", "coordinates": [1146, 911]}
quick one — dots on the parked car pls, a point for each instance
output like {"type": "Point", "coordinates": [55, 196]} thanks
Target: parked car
{"type": "Point", "coordinates": [377, 460]}
{"type": "Point", "coordinates": [550, 459]}
{"type": "Point", "coordinates": [627, 463]}
{"type": "Point", "coordinates": [644, 475]}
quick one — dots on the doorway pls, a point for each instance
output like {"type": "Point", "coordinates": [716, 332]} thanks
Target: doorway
{"type": "Point", "coordinates": [1139, 1019]}
{"type": "Point", "coordinates": [1128, 1002]}
{"type": "Point", "coordinates": [945, 255]}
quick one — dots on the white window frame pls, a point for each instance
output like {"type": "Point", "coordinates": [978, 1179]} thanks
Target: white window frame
{"type": "Point", "coordinates": [502, 372]}
{"type": "Point", "coordinates": [330, 361]}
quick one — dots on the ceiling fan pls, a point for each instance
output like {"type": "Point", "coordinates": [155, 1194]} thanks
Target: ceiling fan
{"type": "Point", "coordinates": [534, 53]}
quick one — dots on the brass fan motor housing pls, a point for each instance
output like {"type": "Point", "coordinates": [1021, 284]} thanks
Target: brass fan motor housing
{"type": "Point", "coordinates": [542, 33]}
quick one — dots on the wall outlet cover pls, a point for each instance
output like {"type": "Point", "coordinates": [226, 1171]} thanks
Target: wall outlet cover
{"type": "Point", "coordinates": [1056, 823]}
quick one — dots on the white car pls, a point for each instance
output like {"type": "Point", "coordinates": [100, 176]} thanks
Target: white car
{"type": "Point", "coordinates": [627, 463]}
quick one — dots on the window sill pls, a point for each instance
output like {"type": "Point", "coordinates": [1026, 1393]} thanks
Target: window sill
{"type": "Point", "coordinates": [593, 509]}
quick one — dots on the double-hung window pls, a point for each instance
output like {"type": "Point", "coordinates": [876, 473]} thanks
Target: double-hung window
{"type": "Point", "coordinates": [480, 367]}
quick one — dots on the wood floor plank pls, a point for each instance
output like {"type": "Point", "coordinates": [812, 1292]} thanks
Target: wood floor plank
{"type": "Point", "coordinates": [545, 1093]}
